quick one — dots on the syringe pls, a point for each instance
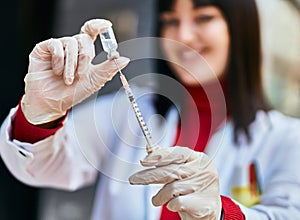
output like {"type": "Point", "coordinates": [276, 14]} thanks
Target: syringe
{"type": "Point", "coordinates": [110, 46]}
{"type": "Point", "coordinates": [137, 111]}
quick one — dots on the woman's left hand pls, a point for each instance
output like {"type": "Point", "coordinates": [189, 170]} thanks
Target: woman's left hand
{"type": "Point", "coordinates": [191, 184]}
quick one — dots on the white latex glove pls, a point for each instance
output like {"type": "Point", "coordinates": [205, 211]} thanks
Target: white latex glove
{"type": "Point", "coordinates": [61, 74]}
{"type": "Point", "coordinates": [191, 185]}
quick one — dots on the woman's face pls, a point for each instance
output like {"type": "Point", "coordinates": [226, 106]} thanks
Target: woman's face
{"type": "Point", "coordinates": [204, 32]}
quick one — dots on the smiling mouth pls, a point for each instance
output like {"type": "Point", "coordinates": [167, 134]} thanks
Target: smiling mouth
{"type": "Point", "coordinates": [188, 55]}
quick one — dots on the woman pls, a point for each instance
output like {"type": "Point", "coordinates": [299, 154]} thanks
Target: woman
{"type": "Point", "coordinates": [212, 47]}
{"type": "Point", "coordinates": [227, 35]}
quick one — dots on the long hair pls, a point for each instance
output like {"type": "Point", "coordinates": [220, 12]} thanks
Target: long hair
{"type": "Point", "coordinates": [243, 73]}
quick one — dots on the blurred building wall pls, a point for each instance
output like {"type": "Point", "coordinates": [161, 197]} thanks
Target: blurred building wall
{"type": "Point", "coordinates": [281, 49]}
{"type": "Point", "coordinates": [19, 31]}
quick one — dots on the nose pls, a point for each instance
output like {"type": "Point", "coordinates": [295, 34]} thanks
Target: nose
{"type": "Point", "coordinates": [186, 32]}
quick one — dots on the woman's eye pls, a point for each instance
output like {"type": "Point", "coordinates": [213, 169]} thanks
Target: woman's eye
{"type": "Point", "coordinates": [170, 22]}
{"type": "Point", "coordinates": [203, 18]}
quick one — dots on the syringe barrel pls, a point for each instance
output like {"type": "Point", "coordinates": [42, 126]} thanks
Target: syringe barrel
{"type": "Point", "coordinates": [140, 118]}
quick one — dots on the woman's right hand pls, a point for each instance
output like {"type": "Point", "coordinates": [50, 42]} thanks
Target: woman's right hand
{"type": "Point", "coordinates": [61, 74]}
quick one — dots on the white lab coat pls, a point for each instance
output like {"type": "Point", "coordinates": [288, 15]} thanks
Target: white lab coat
{"type": "Point", "coordinates": [103, 135]}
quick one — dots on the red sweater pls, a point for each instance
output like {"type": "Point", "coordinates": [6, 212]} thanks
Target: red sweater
{"type": "Point", "coordinates": [207, 102]}
{"type": "Point", "coordinates": [26, 132]}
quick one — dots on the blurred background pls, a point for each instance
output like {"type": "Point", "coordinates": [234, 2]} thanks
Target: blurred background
{"type": "Point", "coordinates": [280, 21]}
{"type": "Point", "coordinates": [25, 23]}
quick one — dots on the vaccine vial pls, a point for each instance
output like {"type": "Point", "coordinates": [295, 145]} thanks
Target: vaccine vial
{"type": "Point", "coordinates": [109, 43]}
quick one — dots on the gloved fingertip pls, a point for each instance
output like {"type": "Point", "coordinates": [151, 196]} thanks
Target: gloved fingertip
{"type": "Point", "coordinates": [100, 23]}
{"type": "Point", "coordinates": [147, 162]}
{"type": "Point", "coordinates": [69, 80]}
{"type": "Point", "coordinates": [133, 180]}
{"type": "Point", "coordinates": [94, 26]}
{"type": "Point", "coordinates": [113, 55]}
{"type": "Point", "coordinates": [156, 201]}
{"type": "Point", "coordinates": [172, 206]}
{"type": "Point", "coordinates": [122, 61]}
